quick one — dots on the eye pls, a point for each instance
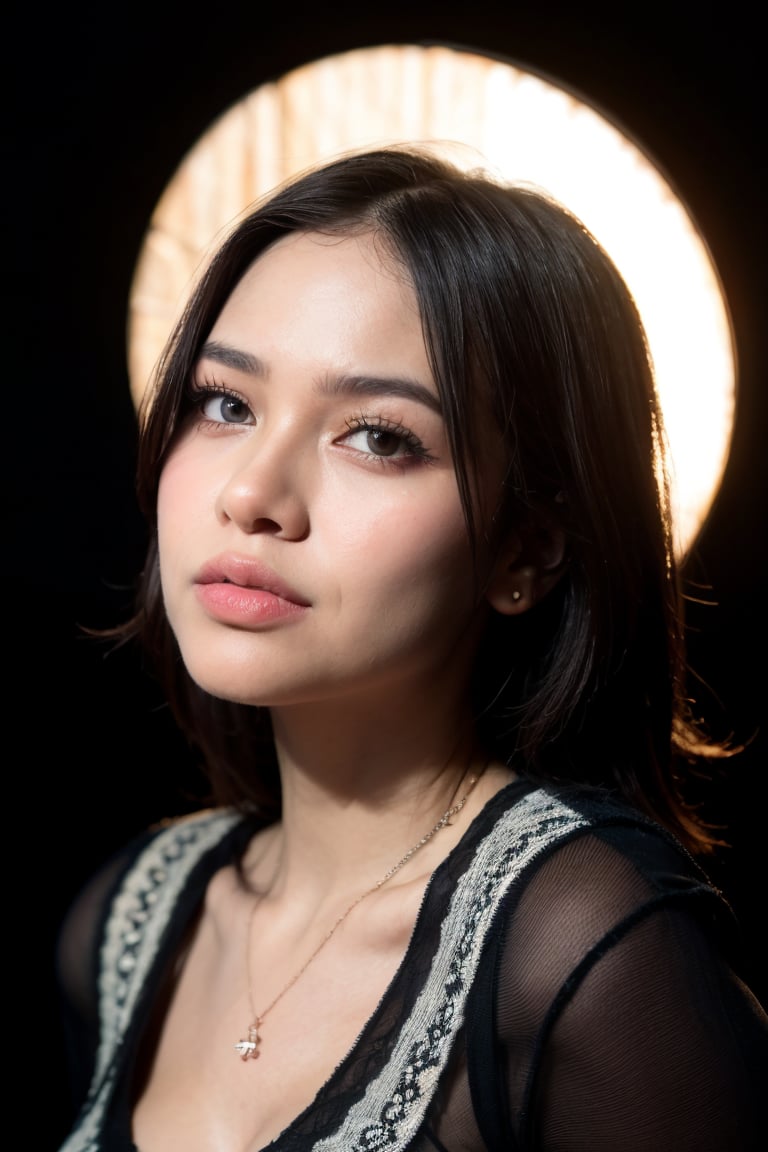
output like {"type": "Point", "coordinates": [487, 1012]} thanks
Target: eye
{"type": "Point", "coordinates": [378, 438]}
{"type": "Point", "coordinates": [377, 441]}
{"type": "Point", "coordinates": [220, 406]}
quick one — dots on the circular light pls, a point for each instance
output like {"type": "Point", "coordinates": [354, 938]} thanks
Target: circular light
{"type": "Point", "coordinates": [481, 112]}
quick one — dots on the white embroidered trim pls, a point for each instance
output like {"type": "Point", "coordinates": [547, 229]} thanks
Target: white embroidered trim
{"type": "Point", "coordinates": [140, 913]}
{"type": "Point", "coordinates": [394, 1105]}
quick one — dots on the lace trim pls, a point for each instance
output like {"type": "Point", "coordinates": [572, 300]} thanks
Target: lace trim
{"type": "Point", "coordinates": [142, 909]}
{"type": "Point", "coordinates": [395, 1103]}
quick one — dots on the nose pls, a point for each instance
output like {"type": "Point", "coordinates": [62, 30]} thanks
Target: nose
{"type": "Point", "coordinates": [268, 486]}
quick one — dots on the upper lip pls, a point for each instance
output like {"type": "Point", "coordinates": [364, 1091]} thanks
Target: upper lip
{"type": "Point", "coordinates": [234, 568]}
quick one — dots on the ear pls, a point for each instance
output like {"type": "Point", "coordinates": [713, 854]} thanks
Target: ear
{"type": "Point", "coordinates": [529, 564]}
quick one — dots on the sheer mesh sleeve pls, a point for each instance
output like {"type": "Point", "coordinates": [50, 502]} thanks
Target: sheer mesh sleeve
{"type": "Point", "coordinates": [605, 1014]}
{"type": "Point", "coordinates": [621, 1025]}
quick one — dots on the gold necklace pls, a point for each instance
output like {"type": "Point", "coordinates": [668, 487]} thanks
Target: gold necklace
{"type": "Point", "coordinates": [248, 1049]}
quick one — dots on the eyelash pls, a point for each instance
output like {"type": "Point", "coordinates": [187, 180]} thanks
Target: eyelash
{"type": "Point", "coordinates": [410, 441]}
{"type": "Point", "coordinates": [200, 394]}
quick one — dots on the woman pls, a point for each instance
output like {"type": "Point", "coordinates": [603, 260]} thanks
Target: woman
{"type": "Point", "coordinates": [412, 593]}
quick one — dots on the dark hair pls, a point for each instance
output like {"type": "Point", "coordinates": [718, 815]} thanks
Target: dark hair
{"type": "Point", "coordinates": [522, 308]}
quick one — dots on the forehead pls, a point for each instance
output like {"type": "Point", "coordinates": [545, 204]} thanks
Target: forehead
{"type": "Point", "coordinates": [321, 264]}
{"type": "Point", "coordinates": [345, 296]}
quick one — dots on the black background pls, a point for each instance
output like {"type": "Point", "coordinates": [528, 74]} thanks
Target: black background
{"type": "Point", "coordinates": [106, 102]}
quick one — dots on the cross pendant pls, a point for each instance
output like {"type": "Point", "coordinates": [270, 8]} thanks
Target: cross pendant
{"type": "Point", "coordinates": [248, 1049]}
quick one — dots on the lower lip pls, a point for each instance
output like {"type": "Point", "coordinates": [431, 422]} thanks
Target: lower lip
{"type": "Point", "coordinates": [246, 607]}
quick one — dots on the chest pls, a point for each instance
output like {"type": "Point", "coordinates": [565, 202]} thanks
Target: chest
{"type": "Point", "coordinates": [202, 1085]}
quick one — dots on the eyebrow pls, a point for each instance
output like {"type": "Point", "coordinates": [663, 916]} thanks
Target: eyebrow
{"type": "Point", "coordinates": [232, 358]}
{"type": "Point", "coordinates": [344, 385]}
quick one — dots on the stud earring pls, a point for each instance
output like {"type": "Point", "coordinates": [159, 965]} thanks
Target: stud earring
{"type": "Point", "coordinates": [517, 594]}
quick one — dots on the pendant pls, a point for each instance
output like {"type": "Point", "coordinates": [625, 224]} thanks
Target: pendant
{"type": "Point", "coordinates": [248, 1049]}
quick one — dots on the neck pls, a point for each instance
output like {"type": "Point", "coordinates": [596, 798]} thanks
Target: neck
{"type": "Point", "coordinates": [353, 803]}
{"type": "Point", "coordinates": [360, 752]}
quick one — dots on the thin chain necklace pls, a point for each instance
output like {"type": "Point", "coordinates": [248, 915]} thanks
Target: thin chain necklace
{"type": "Point", "coordinates": [248, 1049]}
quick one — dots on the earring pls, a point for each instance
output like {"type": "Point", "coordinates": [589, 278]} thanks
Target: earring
{"type": "Point", "coordinates": [517, 594]}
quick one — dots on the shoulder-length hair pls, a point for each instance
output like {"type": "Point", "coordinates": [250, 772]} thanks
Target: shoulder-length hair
{"type": "Point", "coordinates": [523, 312]}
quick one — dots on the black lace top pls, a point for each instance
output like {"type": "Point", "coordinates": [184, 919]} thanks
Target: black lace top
{"type": "Point", "coordinates": [570, 986]}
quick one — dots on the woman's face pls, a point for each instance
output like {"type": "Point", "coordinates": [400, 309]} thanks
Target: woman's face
{"type": "Point", "coordinates": [312, 541]}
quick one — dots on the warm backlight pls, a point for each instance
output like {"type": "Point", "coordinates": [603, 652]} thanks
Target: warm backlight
{"type": "Point", "coordinates": [482, 112]}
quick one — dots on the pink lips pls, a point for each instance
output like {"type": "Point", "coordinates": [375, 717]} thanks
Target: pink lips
{"type": "Point", "coordinates": [238, 590]}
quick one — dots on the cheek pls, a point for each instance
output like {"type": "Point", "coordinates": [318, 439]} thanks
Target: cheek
{"type": "Point", "coordinates": [410, 549]}
{"type": "Point", "coordinates": [169, 502]}
{"type": "Point", "coordinates": [180, 505]}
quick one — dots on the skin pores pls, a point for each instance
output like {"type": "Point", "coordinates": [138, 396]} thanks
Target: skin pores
{"type": "Point", "coordinates": [312, 541]}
